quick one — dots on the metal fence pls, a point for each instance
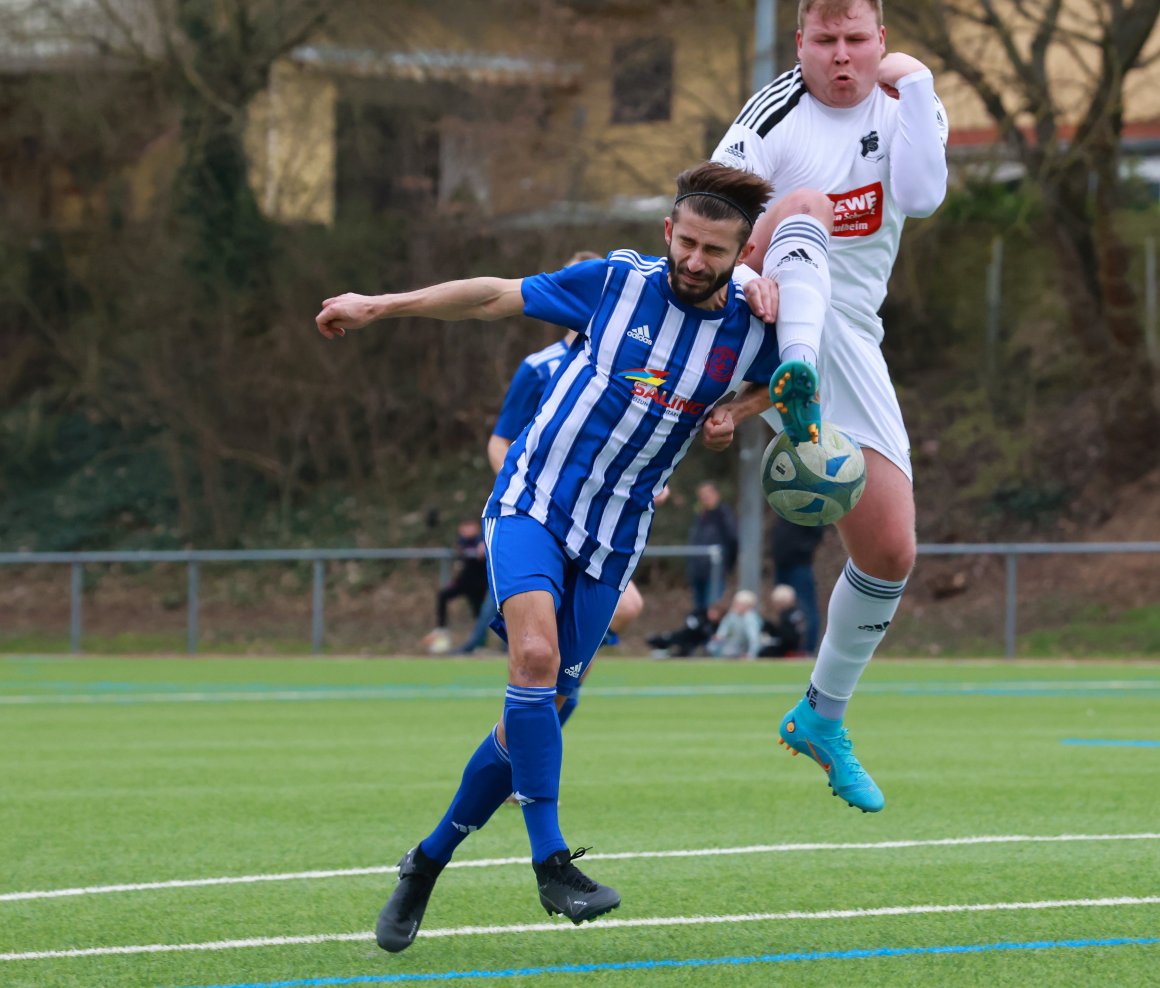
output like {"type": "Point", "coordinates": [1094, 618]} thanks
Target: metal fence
{"type": "Point", "coordinates": [318, 558]}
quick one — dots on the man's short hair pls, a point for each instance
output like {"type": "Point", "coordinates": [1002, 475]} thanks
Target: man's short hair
{"type": "Point", "coordinates": [829, 9]}
{"type": "Point", "coordinates": [718, 192]}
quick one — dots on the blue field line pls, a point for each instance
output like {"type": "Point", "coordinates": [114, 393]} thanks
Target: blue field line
{"type": "Point", "coordinates": [136, 693]}
{"type": "Point", "coordinates": [1110, 743]}
{"type": "Point", "coordinates": [819, 955]}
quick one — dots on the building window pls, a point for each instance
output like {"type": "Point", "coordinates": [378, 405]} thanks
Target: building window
{"type": "Point", "coordinates": [642, 81]}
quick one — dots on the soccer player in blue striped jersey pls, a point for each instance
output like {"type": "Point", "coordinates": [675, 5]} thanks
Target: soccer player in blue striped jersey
{"type": "Point", "coordinates": [671, 348]}
{"type": "Point", "coordinates": [524, 393]}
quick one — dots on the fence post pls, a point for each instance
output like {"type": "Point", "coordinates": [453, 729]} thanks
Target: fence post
{"type": "Point", "coordinates": [192, 586]}
{"type": "Point", "coordinates": [1009, 634]}
{"type": "Point", "coordinates": [1151, 338]}
{"type": "Point", "coordinates": [76, 605]}
{"type": "Point", "coordinates": [316, 624]}
{"type": "Point", "coordinates": [716, 566]}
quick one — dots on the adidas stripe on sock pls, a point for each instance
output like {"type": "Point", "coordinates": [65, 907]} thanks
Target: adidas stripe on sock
{"type": "Point", "coordinates": [861, 609]}
{"type": "Point", "coordinates": [798, 258]}
{"type": "Point", "coordinates": [486, 783]}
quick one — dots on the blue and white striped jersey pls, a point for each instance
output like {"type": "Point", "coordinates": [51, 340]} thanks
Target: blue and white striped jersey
{"type": "Point", "coordinates": [625, 404]}
{"type": "Point", "coordinates": [527, 388]}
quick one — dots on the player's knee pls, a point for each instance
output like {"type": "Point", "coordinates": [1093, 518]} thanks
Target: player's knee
{"type": "Point", "coordinates": [629, 609]}
{"type": "Point", "coordinates": [534, 661]}
{"type": "Point", "coordinates": [811, 202]}
{"type": "Point", "coordinates": [892, 562]}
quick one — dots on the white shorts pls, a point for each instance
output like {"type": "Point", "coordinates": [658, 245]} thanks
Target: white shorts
{"type": "Point", "coordinates": [857, 393]}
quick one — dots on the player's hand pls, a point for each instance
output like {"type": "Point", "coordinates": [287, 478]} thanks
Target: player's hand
{"type": "Point", "coordinates": [717, 433]}
{"type": "Point", "coordinates": [345, 312]}
{"type": "Point", "coordinates": [762, 296]}
{"type": "Point", "coordinates": [893, 67]}
{"type": "Point", "coordinates": [663, 496]}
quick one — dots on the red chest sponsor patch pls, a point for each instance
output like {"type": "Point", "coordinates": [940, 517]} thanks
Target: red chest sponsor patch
{"type": "Point", "coordinates": [857, 213]}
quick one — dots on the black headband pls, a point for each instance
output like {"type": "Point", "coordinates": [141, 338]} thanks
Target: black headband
{"type": "Point", "coordinates": [720, 198]}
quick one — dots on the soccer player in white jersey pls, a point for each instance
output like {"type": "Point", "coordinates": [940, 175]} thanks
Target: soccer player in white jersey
{"type": "Point", "coordinates": [853, 141]}
{"type": "Point", "coordinates": [667, 341]}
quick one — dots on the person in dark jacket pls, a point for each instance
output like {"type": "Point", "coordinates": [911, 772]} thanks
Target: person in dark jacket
{"type": "Point", "coordinates": [793, 547]}
{"type": "Point", "coordinates": [714, 524]}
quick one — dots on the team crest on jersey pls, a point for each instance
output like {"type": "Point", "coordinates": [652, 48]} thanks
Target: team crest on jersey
{"type": "Point", "coordinates": [870, 147]}
{"type": "Point", "coordinates": [858, 213]}
{"type": "Point", "coordinates": [720, 364]}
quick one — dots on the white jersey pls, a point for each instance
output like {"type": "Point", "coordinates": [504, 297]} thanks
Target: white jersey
{"type": "Point", "coordinates": [796, 142]}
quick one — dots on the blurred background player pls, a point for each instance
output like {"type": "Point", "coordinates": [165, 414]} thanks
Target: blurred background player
{"type": "Point", "coordinates": [853, 141]}
{"type": "Point", "coordinates": [570, 513]}
{"type": "Point", "coordinates": [738, 636]}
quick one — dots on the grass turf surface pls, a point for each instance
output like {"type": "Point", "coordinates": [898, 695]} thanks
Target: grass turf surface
{"type": "Point", "coordinates": [149, 770]}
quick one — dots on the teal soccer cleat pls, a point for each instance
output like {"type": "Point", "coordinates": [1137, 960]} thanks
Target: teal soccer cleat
{"type": "Point", "coordinates": [794, 390]}
{"type": "Point", "coordinates": [828, 744]}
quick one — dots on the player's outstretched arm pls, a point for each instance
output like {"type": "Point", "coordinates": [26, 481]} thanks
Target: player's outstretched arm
{"type": "Point", "coordinates": [473, 298]}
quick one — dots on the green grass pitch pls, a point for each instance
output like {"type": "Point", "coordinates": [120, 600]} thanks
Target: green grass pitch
{"type": "Point", "coordinates": [168, 773]}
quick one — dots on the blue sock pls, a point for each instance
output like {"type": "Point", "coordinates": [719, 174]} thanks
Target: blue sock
{"type": "Point", "coordinates": [570, 704]}
{"type": "Point", "coordinates": [537, 751]}
{"type": "Point", "coordinates": [486, 783]}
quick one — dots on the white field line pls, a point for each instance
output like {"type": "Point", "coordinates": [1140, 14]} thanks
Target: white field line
{"type": "Point", "coordinates": [703, 852]}
{"type": "Point", "coordinates": [603, 924]}
{"type": "Point", "coordinates": [1022, 687]}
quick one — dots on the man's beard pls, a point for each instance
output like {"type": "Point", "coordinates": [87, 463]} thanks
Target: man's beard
{"type": "Point", "coordinates": [703, 291]}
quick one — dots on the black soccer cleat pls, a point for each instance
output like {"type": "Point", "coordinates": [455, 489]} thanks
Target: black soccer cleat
{"type": "Point", "coordinates": [400, 918]}
{"type": "Point", "coordinates": [566, 890]}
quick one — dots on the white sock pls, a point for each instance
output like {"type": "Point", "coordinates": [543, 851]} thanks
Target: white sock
{"type": "Point", "coordinates": [861, 609]}
{"type": "Point", "coordinates": [799, 260]}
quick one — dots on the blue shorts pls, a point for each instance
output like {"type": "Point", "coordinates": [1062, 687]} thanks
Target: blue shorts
{"type": "Point", "coordinates": [523, 555]}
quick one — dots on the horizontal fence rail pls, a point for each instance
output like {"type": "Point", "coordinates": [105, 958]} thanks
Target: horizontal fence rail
{"type": "Point", "coordinates": [318, 558]}
{"type": "Point", "coordinates": [193, 558]}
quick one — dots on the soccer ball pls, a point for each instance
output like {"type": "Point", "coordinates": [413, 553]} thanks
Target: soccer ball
{"type": "Point", "coordinates": [813, 483]}
{"type": "Point", "coordinates": [437, 642]}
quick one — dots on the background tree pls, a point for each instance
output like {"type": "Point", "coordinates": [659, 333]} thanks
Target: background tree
{"type": "Point", "coordinates": [1051, 76]}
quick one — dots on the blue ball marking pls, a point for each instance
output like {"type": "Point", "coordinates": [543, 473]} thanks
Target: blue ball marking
{"type": "Point", "coordinates": [834, 464]}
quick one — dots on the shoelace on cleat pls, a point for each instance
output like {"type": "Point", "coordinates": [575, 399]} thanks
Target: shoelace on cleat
{"type": "Point", "coordinates": [568, 874]}
{"type": "Point", "coordinates": [843, 743]}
